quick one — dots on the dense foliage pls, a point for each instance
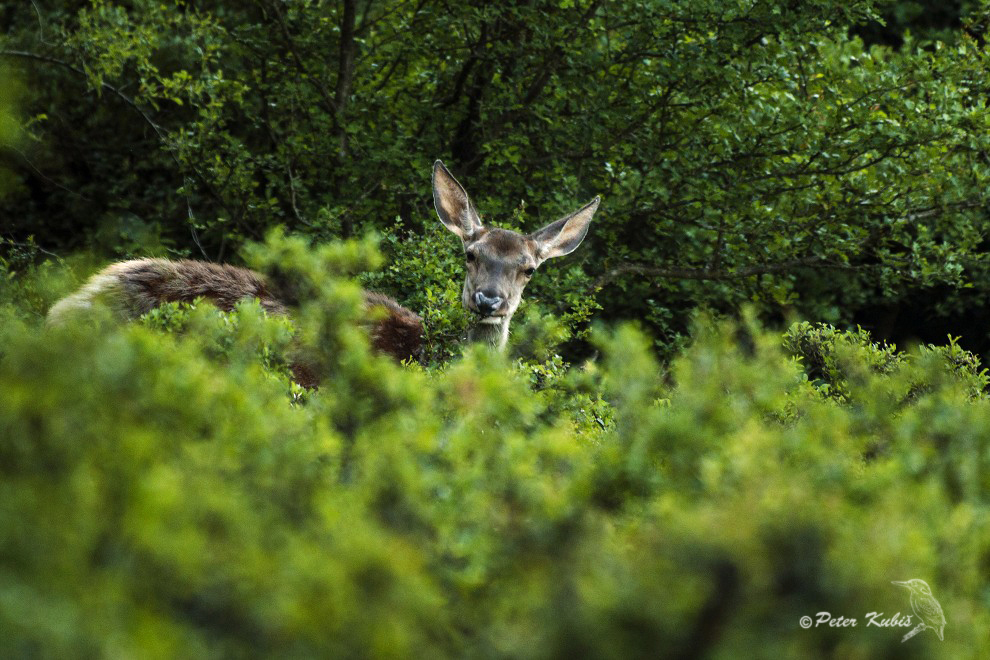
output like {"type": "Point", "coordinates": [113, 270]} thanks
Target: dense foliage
{"type": "Point", "coordinates": [686, 485]}
{"type": "Point", "coordinates": [170, 494]}
{"type": "Point", "coordinates": [747, 151]}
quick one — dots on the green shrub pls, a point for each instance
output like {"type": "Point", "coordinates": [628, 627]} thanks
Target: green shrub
{"type": "Point", "coordinates": [837, 360]}
{"type": "Point", "coordinates": [163, 494]}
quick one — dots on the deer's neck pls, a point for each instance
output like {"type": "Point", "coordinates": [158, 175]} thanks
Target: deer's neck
{"type": "Point", "coordinates": [493, 334]}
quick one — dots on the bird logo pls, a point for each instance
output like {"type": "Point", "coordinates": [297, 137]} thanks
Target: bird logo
{"type": "Point", "coordinates": [925, 607]}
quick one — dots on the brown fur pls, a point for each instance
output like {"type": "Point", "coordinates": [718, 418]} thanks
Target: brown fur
{"type": "Point", "coordinates": [150, 282]}
{"type": "Point", "coordinates": [132, 288]}
{"type": "Point", "coordinates": [398, 332]}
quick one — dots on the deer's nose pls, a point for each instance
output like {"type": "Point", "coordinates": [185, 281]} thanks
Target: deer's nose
{"type": "Point", "coordinates": [487, 304]}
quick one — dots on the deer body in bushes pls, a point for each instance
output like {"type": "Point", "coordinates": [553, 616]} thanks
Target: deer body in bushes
{"type": "Point", "coordinates": [132, 288]}
{"type": "Point", "coordinates": [499, 264]}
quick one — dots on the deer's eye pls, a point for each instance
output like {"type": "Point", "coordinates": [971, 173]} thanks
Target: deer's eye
{"type": "Point", "coordinates": [470, 257]}
{"type": "Point", "coordinates": [529, 272]}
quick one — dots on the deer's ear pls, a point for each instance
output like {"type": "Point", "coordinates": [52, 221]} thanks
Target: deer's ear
{"type": "Point", "coordinates": [453, 206]}
{"type": "Point", "coordinates": [565, 235]}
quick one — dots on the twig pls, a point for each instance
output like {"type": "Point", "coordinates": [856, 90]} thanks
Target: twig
{"type": "Point", "coordinates": [33, 246]}
{"type": "Point", "coordinates": [160, 131]}
{"type": "Point", "coordinates": [41, 22]}
{"type": "Point", "coordinates": [195, 237]}
{"type": "Point", "coordinates": [41, 175]}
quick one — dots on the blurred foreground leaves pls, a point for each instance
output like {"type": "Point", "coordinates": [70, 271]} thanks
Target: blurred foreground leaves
{"type": "Point", "coordinates": [164, 494]}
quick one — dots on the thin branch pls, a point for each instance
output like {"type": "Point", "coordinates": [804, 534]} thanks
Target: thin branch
{"type": "Point", "coordinates": [159, 131]}
{"type": "Point", "coordinates": [38, 173]}
{"type": "Point", "coordinates": [292, 194]}
{"type": "Point", "coordinates": [315, 81]}
{"type": "Point", "coordinates": [33, 246]}
{"type": "Point", "coordinates": [366, 24]}
{"type": "Point", "coordinates": [924, 214]}
{"type": "Point", "coordinates": [41, 22]}
{"type": "Point", "coordinates": [345, 69]}
{"type": "Point", "coordinates": [192, 229]}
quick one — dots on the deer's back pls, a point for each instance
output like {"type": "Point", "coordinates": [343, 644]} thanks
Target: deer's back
{"type": "Point", "coordinates": [133, 288]}
{"type": "Point", "coordinates": [147, 283]}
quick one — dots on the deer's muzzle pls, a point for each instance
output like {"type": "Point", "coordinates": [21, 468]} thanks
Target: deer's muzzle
{"type": "Point", "coordinates": [487, 304]}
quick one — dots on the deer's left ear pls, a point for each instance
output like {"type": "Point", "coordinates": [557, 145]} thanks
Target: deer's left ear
{"type": "Point", "coordinates": [565, 235]}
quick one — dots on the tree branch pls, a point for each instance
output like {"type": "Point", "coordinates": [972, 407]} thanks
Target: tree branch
{"type": "Point", "coordinates": [315, 81]}
{"type": "Point", "coordinates": [159, 131]}
{"type": "Point", "coordinates": [345, 69]}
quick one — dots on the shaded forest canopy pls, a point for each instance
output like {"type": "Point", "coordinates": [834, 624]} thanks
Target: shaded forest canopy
{"type": "Point", "coordinates": [753, 152]}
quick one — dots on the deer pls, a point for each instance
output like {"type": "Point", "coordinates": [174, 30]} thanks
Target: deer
{"type": "Point", "coordinates": [133, 288]}
{"type": "Point", "coordinates": [500, 262]}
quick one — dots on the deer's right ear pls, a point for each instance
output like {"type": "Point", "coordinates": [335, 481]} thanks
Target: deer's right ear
{"type": "Point", "coordinates": [453, 206]}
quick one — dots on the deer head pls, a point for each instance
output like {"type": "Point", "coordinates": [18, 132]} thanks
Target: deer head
{"type": "Point", "coordinates": [500, 262]}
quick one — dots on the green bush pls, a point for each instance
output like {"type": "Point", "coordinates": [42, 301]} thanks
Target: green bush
{"type": "Point", "coordinates": [165, 494]}
{"type": "Point", "coordinates": [836, 360]}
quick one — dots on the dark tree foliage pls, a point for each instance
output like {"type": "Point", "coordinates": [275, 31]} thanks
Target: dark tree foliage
{"type": "Point", "coordinates": [750, 151]}
{"type": "Point", "coordinates": [926, 20]}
